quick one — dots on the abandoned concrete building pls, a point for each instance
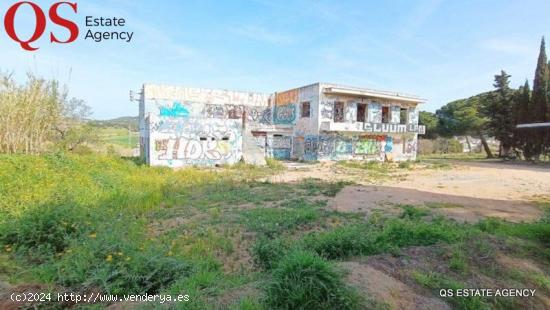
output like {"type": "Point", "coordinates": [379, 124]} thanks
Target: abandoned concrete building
{"type": "Point", "coordinates": [181, 126]}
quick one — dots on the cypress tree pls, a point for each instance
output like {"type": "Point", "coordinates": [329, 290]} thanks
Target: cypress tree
{"type": "Point", "coordinates": [540, 86]}
{"type": "Point", "coordinates": [524, 138]}
{"type": "Point", "coordinates": [540, 101]}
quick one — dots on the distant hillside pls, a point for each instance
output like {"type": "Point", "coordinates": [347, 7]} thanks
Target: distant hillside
{"type": "Point", "coordinates": [123, 122]}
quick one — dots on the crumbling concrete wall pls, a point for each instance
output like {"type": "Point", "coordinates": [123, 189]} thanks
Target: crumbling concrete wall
{"type": "Point", "coordinates": [189, 126]}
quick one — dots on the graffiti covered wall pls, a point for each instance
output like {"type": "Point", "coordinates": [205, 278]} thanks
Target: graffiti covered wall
{"type": "Point", "coordinates": [186, 126]}
{"type": "Point", "coordinates": [178, 141]}
{"type": "Point", "coordinates": [357, 146]}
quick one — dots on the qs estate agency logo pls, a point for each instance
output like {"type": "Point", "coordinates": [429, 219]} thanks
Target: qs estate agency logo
{"type": "Point", "coordinates": [109, 27]}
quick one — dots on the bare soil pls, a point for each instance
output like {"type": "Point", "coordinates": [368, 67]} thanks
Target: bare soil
{"type": "Point", "coordinates": [468, 191]}
{"type": "Point", "coordinates": [390, 278]}
{"type": "Point", "coordinates": [384, 287]}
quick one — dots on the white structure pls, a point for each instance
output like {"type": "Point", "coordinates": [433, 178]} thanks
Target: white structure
{"type": "Point", "coordinates": [182, 126]}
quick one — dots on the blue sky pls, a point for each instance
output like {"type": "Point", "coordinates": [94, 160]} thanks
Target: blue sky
{"type": "Point", "coordinates": [440, 50]}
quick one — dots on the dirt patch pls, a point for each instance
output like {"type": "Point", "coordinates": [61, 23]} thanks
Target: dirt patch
{"type": "Point", "coordinates": [484, 189]}
{"type": "Point", "coordinates": [463, 208]}
{"type": "Point", "coordinates": [396, 273]}
{"type": "Point", "coordinates": [516, 263]}
{"type": "Point", "coordinates": [233, 296]}
{"type": "Point", "coordinates": [5, 297]}
{"type": "Point", "coordinates": [486, 180]}
{"type": "Point", "coordinates": [384, 288]}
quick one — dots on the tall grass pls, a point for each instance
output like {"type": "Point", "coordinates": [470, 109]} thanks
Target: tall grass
{"type": "Point", "coordinates": [303, 280]}
{"type": "Point", "coordinates": [81, 221]}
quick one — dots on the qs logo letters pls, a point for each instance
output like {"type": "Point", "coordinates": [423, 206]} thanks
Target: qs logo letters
{"type": "Point", "coordinates": [40, 23]}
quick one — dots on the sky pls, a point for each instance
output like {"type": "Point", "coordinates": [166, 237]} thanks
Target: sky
{"type": "Point", "coordinates": [436, 49]}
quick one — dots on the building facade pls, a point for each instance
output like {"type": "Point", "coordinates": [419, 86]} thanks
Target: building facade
{"type": "Point", "coordinates": [182, 126]}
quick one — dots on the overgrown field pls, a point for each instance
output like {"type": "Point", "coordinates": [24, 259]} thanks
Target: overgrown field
{"type": "Point", "coordinates": [102, 224]}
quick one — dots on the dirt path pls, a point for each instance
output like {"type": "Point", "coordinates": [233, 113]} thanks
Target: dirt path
{"type": "Point", "coordinates": [384, 287]}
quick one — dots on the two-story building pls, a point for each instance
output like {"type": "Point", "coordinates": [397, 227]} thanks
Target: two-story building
{"type": "Point", "coordinates": [182, 126]}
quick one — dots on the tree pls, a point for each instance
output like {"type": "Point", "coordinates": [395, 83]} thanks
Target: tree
{"type": "Point", "coordinates": [37, 115]}
{"type": "Point", "coordinates": [522, 110]}
{"type": "Point", "coordinates": [540, 86]}
{"type": "Point", "coordinates": [497, 107]}
{"type": "Point", "coordinates": [71, 127]}
{"type": "Point", "coordinates": [429, 120]}
{"type": "Point", "coordinates": [462, 117]}
{"type": "Point", "coordinates": [540, 98]}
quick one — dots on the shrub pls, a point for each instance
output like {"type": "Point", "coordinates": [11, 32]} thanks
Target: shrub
{"type": "Point", "coordinates": [45, 230]}
{"type": "Point", "coordinates": [117, 259]}
{"type": "Point", "coordinates": [439, 145]}
{"type": "Point", "coordinates": [303, 280]}
{"type": "Point", "coordinates": [267, 252]}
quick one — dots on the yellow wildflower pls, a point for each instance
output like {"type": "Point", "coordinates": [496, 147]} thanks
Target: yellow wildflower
{"type": "Point", "coordinates": [109, 258]}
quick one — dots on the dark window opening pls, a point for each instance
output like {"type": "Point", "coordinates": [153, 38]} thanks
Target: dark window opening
{"type": "Point", "coordinates": [278, 136]}
{"type": "Point", "coordinates": [306, 109]}
{"type": "Point", "coordinates": [339, 112]}
{"type": "Point", "coordinates": [204, 139]}
{"type": "Point", "coordinates": [385, 115]}
{"type": "Point", "coordinates": [361, 112]}
{"type": "Point", "coordinates": [403, 116]}
{"type": "Point", "coordinates": [225, 139]}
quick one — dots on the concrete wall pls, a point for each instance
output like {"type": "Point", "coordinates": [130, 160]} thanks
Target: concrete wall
{"type": "Point", "coordinates": [350, 139]}
{"type": "Point", "coordinates": [187, 126]}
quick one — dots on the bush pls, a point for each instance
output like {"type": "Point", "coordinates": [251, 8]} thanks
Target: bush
{"type": "Point", "coordinates": [267, 252]}
{"type": "Point", "coordinates": [303, 280]}
{"type": "Point", "coordinates": [118, 259]}
{"type": "Point", "coordinates": [439, 146]}
{"type": "Point", "coordinates": [45, 230]}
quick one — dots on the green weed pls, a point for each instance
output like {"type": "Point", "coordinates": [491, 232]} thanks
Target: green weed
{"type": "Point", "coordinates": [270, 221]}
{"type": "Point", "coordinates": [316, 186]}
{"type": "Point", "coordinates": [267, 252]}
{"type": "Point", "coordinates": [539, 231]}
{"type": "Point", "coordinates": [437, 281]}
{"type": "Point", "coordinates": [368, 239]}
{"type": "Point", "coordinates": [303, 280]}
